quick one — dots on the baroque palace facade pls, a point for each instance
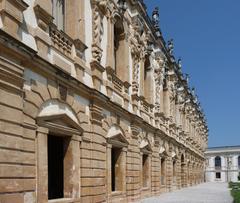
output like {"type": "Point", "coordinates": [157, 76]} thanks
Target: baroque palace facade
{"type": "Point", "coordinates": [93, 105]}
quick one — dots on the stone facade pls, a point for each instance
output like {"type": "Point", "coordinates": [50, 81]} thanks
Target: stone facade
{"type": "Point", "coordinates": [222, 164]}
{"type": "Point", "coordinates": [97, 112]}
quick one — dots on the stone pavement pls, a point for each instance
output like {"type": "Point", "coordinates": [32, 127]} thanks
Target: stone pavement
{"type": "Point", "coordinates": [203, 193]}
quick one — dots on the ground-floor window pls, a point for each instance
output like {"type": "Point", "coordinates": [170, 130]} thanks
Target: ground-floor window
{"type": "Point", "coordinates": [60, 163]}
{"type": "Point", "coordinates": [116, 173]}
{"type": "Point", "coordinates": [238, 161]}
{"type": "Point", "coordinates": [58, 139]}
{"type": "Point", "coordinates": [174, 168]}
{"type": "Point", "coordinates": [218, 175]}
{"type": "Point", "coordinates": [162, 171]}
{"type": "Point", "coordinates": [145, 170]}
{"type": "Point", "coordinates": [55, 167]}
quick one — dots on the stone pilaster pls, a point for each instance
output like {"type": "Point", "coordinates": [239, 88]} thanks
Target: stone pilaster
{"type": "Point", "coordinates": [183, 174]}
{"type": "Point", "coordinates": [108, 170]}
{"type": "Point", "coordinates": [42, 165]}
{"type": "Point", "coordinates": [156, 173]}
{"type": "Point", "coordinates": [97, 71]}
{"type": "Point", "coordinates": [133, 167]}
{"type": "Point", "coordinates": [178, 173]}
{"type": "Point", "coordinates": [169, 176]}
{"type": "Point", "coordinates": [94, 172]}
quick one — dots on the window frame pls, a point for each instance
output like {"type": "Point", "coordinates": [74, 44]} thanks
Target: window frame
{"type": "Point", "coordinates": [218, 162]}
{"type": "Point", "coordinates": [55, 14]}
{"type": "Point", "coordinates": [118, 187]}
{"type": "Point", "coordinates": [216, 175]}
{"type": "Point", "coordinates": [163, 170]}
{"type": "Point", "coordinates": [71, 189]}
{"type": "Point", "coordinates": [145, 170]}
{"type": "Point", "coordinates": [239, 161]}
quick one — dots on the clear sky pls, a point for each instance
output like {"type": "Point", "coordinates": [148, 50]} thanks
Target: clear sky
{"type": "Point", "coordinates": [206, 35]}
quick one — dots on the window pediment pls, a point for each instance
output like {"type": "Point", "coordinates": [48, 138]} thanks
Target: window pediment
{"type": "Point", "coordinates": [145, 146]}
{"type": "Point", "coordinates": [163, 152]}
{"type": "Point", "coordinates": [116, 137]}
{"type": "Point", "coordinates": [173, 154]}
{"type": "Point", "coordinates": [58, 118]}
{"type": "Point", "coordinates": [60, 123]}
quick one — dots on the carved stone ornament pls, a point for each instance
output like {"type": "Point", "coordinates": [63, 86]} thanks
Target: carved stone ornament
{"type": "Point", "coordinates": [135, 85]}
{"type": "Point", "coordinates": [159, 64]}
{"type": "Point", "coordinates": [99, 7]}
{"type": "Point", "coordinates": [63, 92]}
{"type": "Point", "coordinates": [134, 39]}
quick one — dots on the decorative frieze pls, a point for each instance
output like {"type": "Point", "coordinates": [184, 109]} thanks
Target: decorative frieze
{"type": "Point", "coordinates": [98, 9]}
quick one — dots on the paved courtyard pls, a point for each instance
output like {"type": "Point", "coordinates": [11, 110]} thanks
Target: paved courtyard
{"type": "Point", "coordinates": [203, 193]}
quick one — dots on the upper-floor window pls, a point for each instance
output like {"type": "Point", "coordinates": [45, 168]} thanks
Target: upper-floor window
{"type": "Point", "coordinates": [58, 12]}
{"type": "Point", "coordinates": [147, 79]}
{"type": "Point", "coordinates": [238, 161]}
{"type": "Point", "coordinates": [218, 162]}
{"type": "Point", "coordinates": [119, 37]}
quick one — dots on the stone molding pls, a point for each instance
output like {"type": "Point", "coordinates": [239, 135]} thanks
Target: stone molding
{"type": "Point", "coordinates": [97, 71]}
{"type": "Point", "coordinates": [44, 19]}
{"type": "Point", "coordinates": [11, 12]}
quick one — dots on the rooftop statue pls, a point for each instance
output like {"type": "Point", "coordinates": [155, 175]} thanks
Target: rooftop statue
{"type": "Point", "coordinates": [155, 21]}
{"type": "Point", "coordinates": [155, 17]}
{"type": "Point", "coordinates": [170, 46]}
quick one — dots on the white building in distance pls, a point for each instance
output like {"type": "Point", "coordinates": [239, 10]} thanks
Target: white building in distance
{"type": "Point", "coordinates": [222, 164]}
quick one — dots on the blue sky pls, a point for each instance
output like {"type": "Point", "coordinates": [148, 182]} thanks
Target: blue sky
{"type": "Point", "coordinates": [206, 35]}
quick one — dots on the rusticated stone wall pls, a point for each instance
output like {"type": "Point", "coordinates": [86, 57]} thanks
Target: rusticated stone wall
{"type": "Point", "coordinates": [64, 84]}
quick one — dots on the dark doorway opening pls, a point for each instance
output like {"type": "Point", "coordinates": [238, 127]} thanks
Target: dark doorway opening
{"type": "Point", "coordinates": [55, 167]}
{"type": "Point", "coordinates": [115, 168]}
{"type": "Point", "coordinates": [162, 171]}
{"type": "Point", "coordinates": [174, 168]}
{"type": "Point", "coordinates": [145, 170]}
{"type": "Point", "coordinates": [218, 175]}
{"type": "Point", "coordinates": [182, 171]}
